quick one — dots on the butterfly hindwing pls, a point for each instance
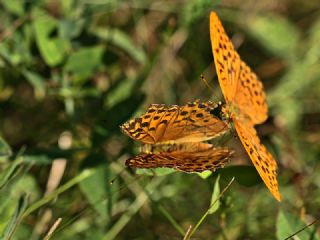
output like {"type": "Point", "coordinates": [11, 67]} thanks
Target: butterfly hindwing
{"type": "Point", "coordinates": [260, 157]}
{"type": "Point", "coordinates": [186, 158]}
{"type": "Point", "coordinates": [250, 97]}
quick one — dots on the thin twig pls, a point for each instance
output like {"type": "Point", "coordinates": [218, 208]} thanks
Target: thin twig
{"type": "Point", "coordinates": [190, 233]}
{"type": "Point", "coordinates": [297, 232]}
{"type": "Point", "coordinates": [186, 237]}
{"type": "Point", "coordinates": [171, 220]}
{"type": "Point", "coordinates": [134, 207]}
{"type": "Point", "coordinates": [52, 229]}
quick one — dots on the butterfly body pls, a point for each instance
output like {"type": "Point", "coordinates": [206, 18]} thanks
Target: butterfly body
{"type": "Point", "coordinates": [175, 147]}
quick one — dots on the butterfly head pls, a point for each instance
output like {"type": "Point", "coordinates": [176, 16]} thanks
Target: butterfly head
{"type": "Point", "coordinates": [129, 127]}
{"type": "Point", "coordinates": [125, 127]}
{"type": "Point", "coordinates": [215, 110]}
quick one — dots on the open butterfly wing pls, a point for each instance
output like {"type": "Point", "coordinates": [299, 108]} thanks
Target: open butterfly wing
{"type": "Point", "coordinates": [250, 96]}
{"type": "Point", "coordinates": [260, 157]}
{"type": "Point", "coordinates": [240, 86]}
{"type": "Point", "coordinates": [227, 60]}
{"type": "Point", "coordinates": [210, 159]}
{"type": "Point", "coordinates": [192, 122]}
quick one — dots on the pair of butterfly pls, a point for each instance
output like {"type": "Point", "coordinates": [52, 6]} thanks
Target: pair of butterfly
{"type": "Point", "coordinates": [173, 134]}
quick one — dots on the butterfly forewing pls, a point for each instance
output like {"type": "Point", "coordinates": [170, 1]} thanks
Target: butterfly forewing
{"type": "Point", "coordinates": [186, 157]}
{"type": "Point", "coordinates": [227, 60]}
{"type": "Point", "coordinates": [193, 122]}
{"type": "Point", "coordinates": [149, 126]}
{"type": "Point", "coordinates": [240, 86]}
{"type": "Point", "coordinates": [260, 157]}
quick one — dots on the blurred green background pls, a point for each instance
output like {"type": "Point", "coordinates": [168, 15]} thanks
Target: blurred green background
{"type": "Point", "coordinates": [72, 71]}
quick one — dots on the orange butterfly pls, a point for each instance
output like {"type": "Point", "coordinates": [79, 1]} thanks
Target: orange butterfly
{"type": "Point", "coordinates": [172, 136]}
{"type": "Point", "coordinates": [245, 102]}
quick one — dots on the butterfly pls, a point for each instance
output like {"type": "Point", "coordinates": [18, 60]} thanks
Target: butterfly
{"type": "Point", "coordinates": [245, 102]}
{"type": "Point", "coordinates": [173, 137]}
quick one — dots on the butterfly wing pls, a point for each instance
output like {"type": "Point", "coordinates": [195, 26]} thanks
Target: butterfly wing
{"type": "Point", "coordinates": [192, 122]}
{"type": "Point", "coordinates": [150, 125]}
{"type": "Point", "coordinates": [260, 157]}
{"type": "Point", "coordinates": [250, 96]}
{"type": "Point", "coordinates": [198, 161]}
{"type": "Point", "coordinates": [195, 122]}
{"type": "Point", "coordinates": [240, 86]}
{"type": "Point", "coordinates": [227, 60]}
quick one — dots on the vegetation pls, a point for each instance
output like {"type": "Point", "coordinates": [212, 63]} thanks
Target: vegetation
{"type": "Point", "coordinates": [72, 71]}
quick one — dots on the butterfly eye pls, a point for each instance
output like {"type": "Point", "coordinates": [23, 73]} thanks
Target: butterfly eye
{"type": "Point", "coordinates": [217, 112]}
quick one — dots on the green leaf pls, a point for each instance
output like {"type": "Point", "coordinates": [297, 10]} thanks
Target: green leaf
{"type": "Point", "coordinates": [52, 48]}
{"type": "Point", "coordinates": [244, 175]}
{"type": "Point", "coordinates": [291, 111]}
{"type": "Point", "coordinates": [18, 191]}
{"type": "Point", "coordinates": [215, 202]}
{"type": "Point", "coordinates": [37, 81]}
{"type": "Point", "coordinates": [197, 9]}
{"type": "Point", "coordinates": [205, 174]}
{"type": "Point", "coordinates": [313, 45]}
{"type": "Point", "coordinates": [96, 188]}
{"type": "Point", "coordinates": [70, 29]}
{"type": "Point", "coordinates": [16, 218]}
{"type": "Point", "coordinates": [53, 195]}
{"type": "Point", "coordinates": [84, 62]}
{"type": "Point", "coordinates": [121, 40]}
{"type": "Point", "coordinates": [14, 6]}
{"type": "Point", "coordinates": [123, 110]}
{"type": "Point", "coordinates": [11, 55]}
{"type": "Point", "coordinates": [7, 174]}
{"type": "Point", "coordinates": [16, 49]}
{"type": "Point", "coordinates": [68, 6]}
{"type": "Point", "coordinates": [290, 84]}
{"type": "Point", "coordinates": [120, 92]}
{"type": "Point", "coordinates": [275, 33]}
{"type": "Point", "coordinates": [155, 172]}
{"type": "Point", "coordinates": [288, 224]}
{"type": "Point", "coordinates": [5, 150]}
{"type": "Point", "coordinates": [37, 159]}
{"type": "Point", "coordinates": [25, 183]}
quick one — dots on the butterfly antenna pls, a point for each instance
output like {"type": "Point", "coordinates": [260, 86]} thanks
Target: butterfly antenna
{"type": "Point", "coordinates": [208, 85]}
